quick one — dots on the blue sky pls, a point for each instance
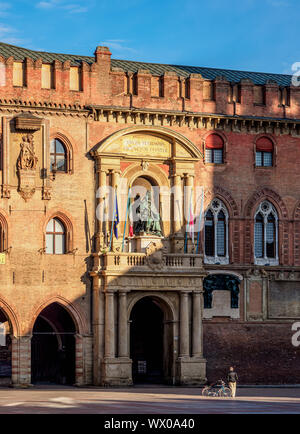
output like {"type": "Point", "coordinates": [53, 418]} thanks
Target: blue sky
{"type": "Point", "coordinates": [253, 35]}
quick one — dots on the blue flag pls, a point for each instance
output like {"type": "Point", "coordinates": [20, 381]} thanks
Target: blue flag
{"type": "Point", "coordinates": [116, 218]}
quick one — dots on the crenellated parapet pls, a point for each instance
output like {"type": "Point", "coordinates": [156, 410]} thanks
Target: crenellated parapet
{"type": "Point", "coordinates": [99, 80]}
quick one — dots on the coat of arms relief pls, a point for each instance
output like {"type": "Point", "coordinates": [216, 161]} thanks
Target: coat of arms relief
{"type": "Point", "coordinates": [155, 255]}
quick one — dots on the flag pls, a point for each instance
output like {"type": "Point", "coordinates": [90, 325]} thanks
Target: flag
{"type": "Point", "coordinates": [191, 222]}
{"type": "Point", "coordinates": [201, 221]}
{"type": "Point", "coordinates": [130, 219]}
{"type": "Point", "coordinates": [116, 217]}
{"type": "Point", "coordinates": [128, 208]}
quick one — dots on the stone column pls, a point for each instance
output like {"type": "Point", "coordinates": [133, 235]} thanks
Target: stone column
{"type": "Point", "coordinates": [188, 186]}
{"type": "Point", "coordinates": [109, 325]}
{"type": "Point", "coordinates": [197, 324]}
{"type": "Point", "coordinates": [123, 325]}
{"type": "Point", "coordinates": [184, 325]}
{"type": "Point", "coordinates": [115, 178]}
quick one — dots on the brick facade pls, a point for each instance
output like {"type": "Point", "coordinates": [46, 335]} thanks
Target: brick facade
{"type": "Point", "coordinates": [119, 98]}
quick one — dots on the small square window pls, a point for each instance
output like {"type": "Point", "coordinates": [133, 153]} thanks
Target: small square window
{"type": "Point", "coordinates": [264, 159]}
{"type": "Point", "coordinates": [218, 156]}
{"type": "Point", "coordinates": [214, 156]}
{"type": "Point", "coordinates": [208, 156]}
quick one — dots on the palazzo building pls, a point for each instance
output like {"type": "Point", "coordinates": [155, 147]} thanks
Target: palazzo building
{"type": "Point", "coordinates": [84, 300]}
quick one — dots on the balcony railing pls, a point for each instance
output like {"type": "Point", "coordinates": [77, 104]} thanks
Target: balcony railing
{"type": "Point", "coordinates": [127, 261]}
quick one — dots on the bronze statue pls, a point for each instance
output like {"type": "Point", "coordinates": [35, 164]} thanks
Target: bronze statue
{"type": "Point", "coordinates": [147, 218]}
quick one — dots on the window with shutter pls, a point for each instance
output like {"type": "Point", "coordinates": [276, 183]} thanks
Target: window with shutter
{"type": "Point", "coordinates": [209, 234]}
{"type": "Point", "coordinates": [215, 234]}
{"type": "Point", "coordinates": [214, 148]}
{"type": "Point", "coordinates": [264, 152]}
{"type": "Point", "coordinates": [266, 235]}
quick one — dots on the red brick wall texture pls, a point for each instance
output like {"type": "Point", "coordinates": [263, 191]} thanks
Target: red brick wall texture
{"type": "Point", "coordinates": [261, 352]}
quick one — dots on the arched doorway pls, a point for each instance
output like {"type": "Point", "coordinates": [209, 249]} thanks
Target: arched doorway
{"type": "Point", "coordinates": [53, 347]}
{"type": "Point", "coordinates": [151, 342]}
{"type": "Point", "coordinates": [5, 350]}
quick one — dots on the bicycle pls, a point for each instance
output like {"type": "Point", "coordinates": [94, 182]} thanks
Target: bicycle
{"type": "Point", "coordinates": [218, 389]}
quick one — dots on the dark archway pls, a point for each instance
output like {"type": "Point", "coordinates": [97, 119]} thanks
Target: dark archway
{"type": "Point", "coordinates": [150, 342]}
{"type": "Point", "coordinates": [5, 350]}
{"type": "Point", "coordinates": [53, 347]}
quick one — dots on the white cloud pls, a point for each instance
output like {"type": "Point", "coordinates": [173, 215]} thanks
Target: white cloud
{"type": "Point", "coordinates": [14, 41]}
{"type": "Point", "coordinates": [279, 3]}
{"type": "Point", "coordinates": [9, 35]}
{"type": "Point", "coordinates": [4, 29]}
{"type": "Point", "coordinates": [118, 45]}
{"type": "Point", "coordinates": [72, 8]}
{"type": "Point", "coordinates": [4, 7]}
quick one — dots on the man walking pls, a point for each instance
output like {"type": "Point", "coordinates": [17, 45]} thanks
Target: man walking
{"type": "Point", "coordinates": [232, 379]}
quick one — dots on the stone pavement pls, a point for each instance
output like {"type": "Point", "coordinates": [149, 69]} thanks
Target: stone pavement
{"type": "Point", "coordinates": [146, 400]}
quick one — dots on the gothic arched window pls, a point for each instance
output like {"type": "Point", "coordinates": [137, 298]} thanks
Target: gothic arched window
{"type": "Point", "coordinates": [266, 235]}
{"type": "Point", "coordinates": [55, 237]}
{"type": "Point", "coordinates": [58, 156]}
{"type": "Point", "coordinates": [216, 233]}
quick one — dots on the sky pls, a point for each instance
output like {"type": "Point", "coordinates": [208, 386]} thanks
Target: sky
{"type": "Point", "coordinates": [249, 35]}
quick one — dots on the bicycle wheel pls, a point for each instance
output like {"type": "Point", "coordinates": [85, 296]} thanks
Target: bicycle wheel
{"type": "Point", "coordinates": [206, 391]}
{"type": "Point", "coordinates": [225, 392]}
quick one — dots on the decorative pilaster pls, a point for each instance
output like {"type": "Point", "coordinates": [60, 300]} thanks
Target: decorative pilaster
{"type": "Point", "coordinates": [197, 324]}
{"type": "Point", "coordinates": [184, 325]}
{"type": "Point", "coordinates": [123, 325]}
{"type": "Point", "coordinates": [109, 325]}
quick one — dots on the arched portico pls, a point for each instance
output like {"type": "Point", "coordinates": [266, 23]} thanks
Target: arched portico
{"type": "Point", "coordinates": [152, 339]}
{"type": "Point", "coordinates": [57, 343]}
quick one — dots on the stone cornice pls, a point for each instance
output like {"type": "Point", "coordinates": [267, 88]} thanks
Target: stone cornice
{"type": "Point", "coordinates": [44, 108]}
{"type": "Point", "coordinates": [151, 117]}
{"type": "Point", "coordinates": [209, 121]}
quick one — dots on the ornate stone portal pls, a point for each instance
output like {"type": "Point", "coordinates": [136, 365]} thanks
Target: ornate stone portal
{"type": "Point", "coordinates": [157, 269]}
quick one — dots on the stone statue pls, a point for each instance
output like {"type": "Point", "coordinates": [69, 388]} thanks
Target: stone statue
{"type": "Point", "coordinates": [27, 159]}
{"type": "Point", "coordinates": [147, 218]}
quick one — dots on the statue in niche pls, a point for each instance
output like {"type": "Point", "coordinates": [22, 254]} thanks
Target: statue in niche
{"type": "Point", "coordinates": [147, 217]}
{"type": "Point", "coordinates": [27, 159]}
{"type": "Point", "coordinates": [26, 167]}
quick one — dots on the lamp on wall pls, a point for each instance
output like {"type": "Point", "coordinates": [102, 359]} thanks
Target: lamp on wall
{"type": "Point", "coordinates": [54, 171]}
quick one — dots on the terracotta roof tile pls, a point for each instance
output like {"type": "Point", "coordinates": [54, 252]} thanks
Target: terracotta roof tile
{"type": "Point", "coordinates": [20, 53]}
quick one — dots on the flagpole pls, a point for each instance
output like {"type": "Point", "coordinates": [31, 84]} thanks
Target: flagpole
{"type": "Point", "coordinates": [200, 220]}
{"type": "Point", "coordinates": [126, 218]}
{"type": "Point", "coordinates": [113, 222]}
{"type": "Point", "coordinates": [188, 226]}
